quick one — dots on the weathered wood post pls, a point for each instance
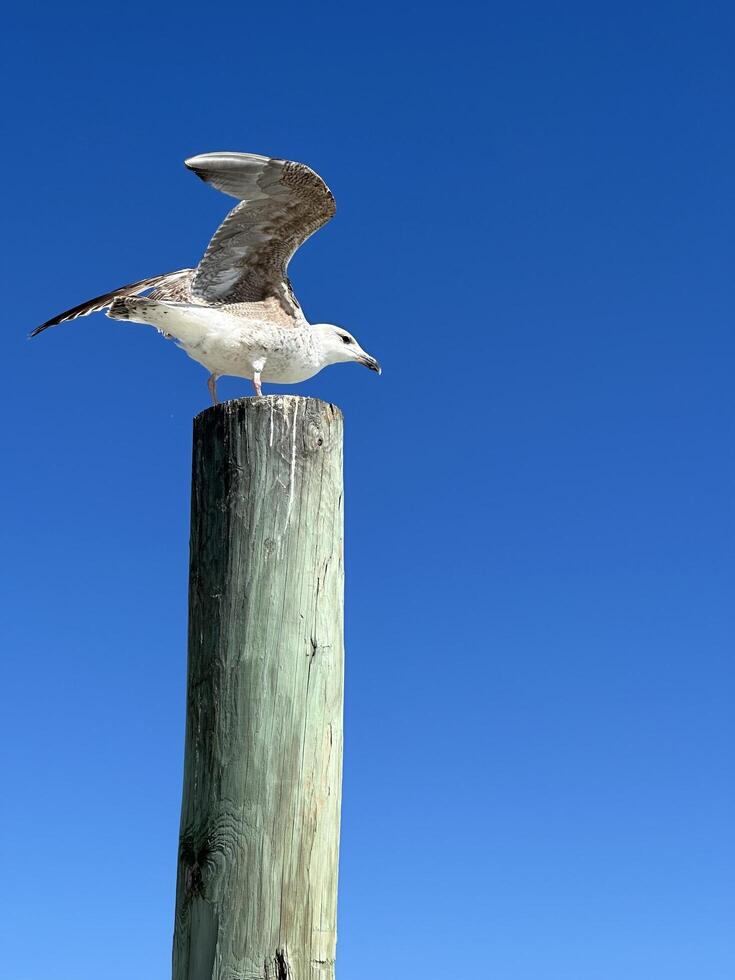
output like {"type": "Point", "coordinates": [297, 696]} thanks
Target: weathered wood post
{"type": "Point", "coordinates": [256, 894]}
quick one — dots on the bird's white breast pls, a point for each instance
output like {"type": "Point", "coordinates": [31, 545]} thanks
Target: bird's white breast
{"type": "Point", "coordinates": [232, 345]}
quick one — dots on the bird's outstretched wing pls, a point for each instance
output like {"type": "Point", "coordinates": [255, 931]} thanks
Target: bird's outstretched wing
{"type": "Point", "coordinates": [173, 285]}
{"type": "Point", "coordinates": [282, 204]}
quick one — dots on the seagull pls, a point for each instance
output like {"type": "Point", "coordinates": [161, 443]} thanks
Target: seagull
{"type": "Point", "coordinates": [236, 313]}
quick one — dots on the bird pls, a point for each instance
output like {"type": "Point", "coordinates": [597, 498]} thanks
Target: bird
{"type": "Point", "coordinates": [236, 313]}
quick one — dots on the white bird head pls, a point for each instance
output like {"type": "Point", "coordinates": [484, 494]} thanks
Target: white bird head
{"type": "Point", "coordinates": [337, 345]}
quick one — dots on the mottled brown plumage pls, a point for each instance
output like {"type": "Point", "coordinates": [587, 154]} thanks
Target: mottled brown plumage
{"type": "Point", "coordinates": [282, 204]}
{"type": "Point", "coordinates": [244, 267]}
{"type": "Point", "coordinates": [172, 286]}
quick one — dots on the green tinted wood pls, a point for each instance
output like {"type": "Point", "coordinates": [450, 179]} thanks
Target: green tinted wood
{"type": "Point", "coordinates": [257, 878]}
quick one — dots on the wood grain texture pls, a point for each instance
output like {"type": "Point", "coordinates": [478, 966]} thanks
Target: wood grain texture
{"type": "Point", "coordinates": [257, 876]}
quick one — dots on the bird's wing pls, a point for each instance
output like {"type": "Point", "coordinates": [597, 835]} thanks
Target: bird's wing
{"type": "Point", "coordinates": [173, 285]}
{"type": "Point", "coordinates": [282, 204]}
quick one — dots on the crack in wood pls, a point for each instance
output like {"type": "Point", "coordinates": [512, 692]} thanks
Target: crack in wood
{"type": "Point", "coordinates": [283, 971]}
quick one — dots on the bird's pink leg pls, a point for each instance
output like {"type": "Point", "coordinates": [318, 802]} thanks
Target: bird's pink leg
{"type": "Point", "coordinates": [256, 383]}
{"type": "Point", "coordinates": [212, 385]}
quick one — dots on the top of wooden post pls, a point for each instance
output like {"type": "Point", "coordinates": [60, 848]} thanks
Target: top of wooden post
{"type": "Point", "coordinates": [283, 403]}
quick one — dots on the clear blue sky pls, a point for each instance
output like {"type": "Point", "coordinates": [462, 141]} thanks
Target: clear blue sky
{"type": "Point", "coordinates": [534, 235]}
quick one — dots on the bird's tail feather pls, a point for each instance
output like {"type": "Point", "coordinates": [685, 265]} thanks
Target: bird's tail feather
{"type": "Point", "coordinates": [168, 282]}
{"type": "Point", "coordinates": [118, 309]}
{"type": "Point", "coordinates": [188, 323]}
{"type": "Point", "coordinates": [139, 309]}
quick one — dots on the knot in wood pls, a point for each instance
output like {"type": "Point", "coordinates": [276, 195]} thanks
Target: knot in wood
{"type": "Point", "coordinates": [315, 437]}
{"type": "Point", "coordinates": [194, 860]}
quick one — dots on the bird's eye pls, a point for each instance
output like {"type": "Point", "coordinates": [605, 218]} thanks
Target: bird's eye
{"type": "Point", "coordinates": [346, 340]}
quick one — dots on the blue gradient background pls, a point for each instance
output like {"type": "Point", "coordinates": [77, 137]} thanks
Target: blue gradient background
{"type": "Point", "coordinates": [534, 236]}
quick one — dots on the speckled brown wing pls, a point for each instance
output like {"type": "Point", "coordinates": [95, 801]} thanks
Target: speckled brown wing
{"type": "Point", "coordinates": [282, 204]}
{"type": "Point", "coordinates": [173, 285]}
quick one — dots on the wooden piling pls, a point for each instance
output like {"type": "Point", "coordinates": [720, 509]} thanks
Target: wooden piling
{"type": "Point", "coordinates": [256, 895]}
